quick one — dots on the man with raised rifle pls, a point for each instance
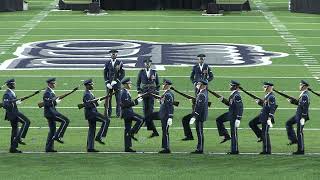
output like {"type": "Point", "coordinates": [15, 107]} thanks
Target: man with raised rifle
{"type": "Point", "coordinates": [52, 115]}
{"type": "Point", "coordinates": [10, 102]}
{"type": "Point", "coordinates": [234, 115]}
{"type": "Point", "coordinates": [148, 81]}
{"type": "Point", "coordinates": [200, 71]}
{"type": "Point", "coordinates": [266, 118]}
{"type": "Point", "coordinates": [113, 74]}
{"type": "Point", "coordinates": [129, 115]}
{"type": "Point", "coordinates": [165, 114]}
{"type": "Point", "coordinates": [93, 116]}
{"type": "Point", "coordinates": [301, 116]}
{"type": "Point", "coordinates": [200, 114]}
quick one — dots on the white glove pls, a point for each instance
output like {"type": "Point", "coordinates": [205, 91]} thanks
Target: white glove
{"type": "Point", "coordinates": [270, 123]}
{"type": "Point", "coordinates": [302, 121]}
{"type": "Point", "coordinates": [192, 120]}
{"type": "Point", "coordinates": [257, 101]}
{"type": "Point", "coordinates": [113, 83]}
{"type": "Point", "coordinates": [140, 99]}
{"type": "Point", "coordinates": [289, 100]}
{"type": "Point", "coordinates": [18, 102]}
{"type": "Point", "coordinates": [237, 123]}
{"type": "Point", "coordinates": [109, 86]}
{"type": "Point", "coordinates": [99, 102]}
{"type": "Point", "coordinates": [169, 121]}
{"type": "Point", "coordinates": [221, 98]}
{"type": "Point", "coordinates": [58, 100]}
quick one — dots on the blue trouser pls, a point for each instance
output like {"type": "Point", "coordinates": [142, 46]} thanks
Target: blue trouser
{"type": "Point", "coordinates": [128, 129]}
{"type": "Point", "coordinates": [186, 125]}
{"type": "Point", "coordinates": [266, 147]}
{"type": "Point", "coordinates": [253, 124]}
{"type": "Point", "coordinates": [224, 132]}
{"type": "Point", "coordinates": [92, 129]}
{"type": "Point", "coordinates": [117, 95]}
{"type": "Point", "coordinates": [291, 134]}
{"type": "Point", "coordinates": [165, 128]}
{"type": "Point", "coordinates": [199, 129]}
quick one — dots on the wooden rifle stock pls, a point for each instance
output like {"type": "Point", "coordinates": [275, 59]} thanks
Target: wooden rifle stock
{"type": "Point", "coordinates": [292, 99]}
{"type": "Point", "coordinates": [224, 100]}
{"type": "Point", "coordinates": [252, 96]}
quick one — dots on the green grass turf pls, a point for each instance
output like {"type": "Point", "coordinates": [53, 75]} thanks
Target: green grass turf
{"type": "Point", "coordinates": [173, 26]}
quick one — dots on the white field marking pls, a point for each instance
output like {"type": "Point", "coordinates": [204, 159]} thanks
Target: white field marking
{"type": "Point", "coordinates": [157, 107]}
{"type": "Point", "coordinates": [288, 37]}
{"type": "Point", "coordinates": [153, 152]}
{"type": "Point", "coordinates": [173, 128]}
{"type": "Point", "coordinates": [222, 77]}
{"type": "Point", "coordinates": [163, 28]}
{"type": "Point", "coordinates": [21, 32]}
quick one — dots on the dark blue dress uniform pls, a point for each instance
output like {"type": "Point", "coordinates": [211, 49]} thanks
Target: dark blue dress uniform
{"type": "Point", "coordinates": [166, 111]}
{"type": "Point", "coordinates": [129, 115]}
{"type": "Point", "coordinates": [201, 72]}
{"type": "Point", "coordinates": [92, 115]}
{"type": "Point", "coordinates": [14, 116]}
{"type": "Point", "coordinates": [114, 72]}
{"type": "Point", "coordinates": [235, 113]}
{"type": "Point", "coordinates": [267, 111]}
{"type": "Point", "coordinates": [301, 112]}
{"type": "Point", "coordinates": [148, 83]}
{"type": "Point", "coordinates": [201, 115]}
{"type": "Point", "coordinates": [52, 115]}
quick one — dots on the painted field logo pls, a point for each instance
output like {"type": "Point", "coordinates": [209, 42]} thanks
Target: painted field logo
{"type": "Point", "coordinates": [90, 54]}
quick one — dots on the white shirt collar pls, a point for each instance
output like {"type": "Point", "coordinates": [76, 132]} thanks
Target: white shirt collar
{"type": "Point", "coordinates": [201, 66]}
{"type": "Point", "coordinates": [302, 93]}
{"type": "Point", "coordinates": [113, 61]}
{"type": "Point", "coordinates": [267, 94]}
{"type": "Point", "coordinates": [12, 92]}
{"type": "Point", "coordinates": [233, 92]}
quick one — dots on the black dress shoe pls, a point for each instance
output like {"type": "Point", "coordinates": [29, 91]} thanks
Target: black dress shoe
{"type": "Point", "coordinates": [51, 151]}
{"type": "Point", "coordinates": [59, 140]}
{"type": "Point", "coordinates": [225, 139]}
{"type": "Point", "coordinates": [187, 139]}
{"type": "Point", "coordinates": [265, 153]}
{"type": "Point", "coordinates": [197, 152]}
{"type": "Point", "coordinates": [130, 150]}
{"type": "Point", "coordinates": [292, 143]}
{"type": "Point", "coordinates": [154, 134]}
{"type": "Point", "coordinates": [298, 153]}
{"type": "Point", "coordinates": [131, 135]}
{"type": "Point", "coordinates": [100, 141]}
{"type": "Point", "coordinates": [22, 142]}
{"type": "Point", "coordinates": [165, 151]}
{"type": "Point", "coordinates": [232, 153]}
{"type": "Point", "coordinates": [15, 151]}
{"type": "Point", "coordinates": [92, 150]}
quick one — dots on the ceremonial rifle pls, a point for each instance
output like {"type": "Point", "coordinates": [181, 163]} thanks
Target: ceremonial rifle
{"type": "Point", "coordinates": [187, 96]}
{"type": "Point", "coordinates": [292, 99]}
{"type": "Point", "coordinates": [175, 103]}
{"type": "Point", "coordinates": [25, 97]}
{"type": "Point", "coordinates": [41, 104]}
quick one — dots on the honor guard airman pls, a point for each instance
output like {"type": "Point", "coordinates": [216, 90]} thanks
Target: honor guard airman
{"type": "Point", "coordinates": [266, 118]}
{"type": "Point", "coordinates": [200, 114]}
{"type": "Point", "coordinates": [234, 115]}
{"type": "Point", "coordinates": [13, 115]}
{"type": "Point", "coordinates": [129, 115]}
{"type": "Point", "coordinates": [165, 114]}
{"type": "Point", "coordinates": [301, 116]}
{"type": "Point", "coordinates": [148, 81]}
{"type": "Point", "coordinates": [52, 115]}
{"type": "Point", "coordinates": [201, 71]}
{"type": "Point", "coordinates": [93, 116]}
{"type": "Point", "coordinates": [113, 75]}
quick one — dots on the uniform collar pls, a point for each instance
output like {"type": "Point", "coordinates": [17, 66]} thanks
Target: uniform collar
{"type": "Point", "coordinates": [302, 93]}
{"type": "Point", "coordinates": [267, 94]}
{"type": "Point", "coordinates": [12, 91]}
{"type": "Point", "coordinates": [233, 92]}
{"type": "Point", "coordinates": [51, 89]}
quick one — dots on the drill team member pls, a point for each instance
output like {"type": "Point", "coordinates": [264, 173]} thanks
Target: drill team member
{"type": "Point", "coordinates": [148, 81]}
{"type": "Point", "coordinates": [13, 115]}
{"type": "Point", "coordinates": [201, 71]}
{"type": "Point", "coordinates": [113, 75]}
{"type": "Point", "coordinates": [128, 115]}
{"type": "Point", "coordinates": [93, 116]}
{"type": "Point", "coordinates": [234, 116]}
{"type": "Point", "coordinates": [266, 118]}
{"type": "Point", "coordinates": [200, 114]}
{"type": "Point", "coordinates": [52, 115]}
{"type": "Point", "coordinates": [165, 114]}
{"type": "Point", "coordinates": [301, 116]}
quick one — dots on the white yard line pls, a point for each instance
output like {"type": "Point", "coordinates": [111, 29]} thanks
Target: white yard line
{"type": "Point", "coordinates": [292, 41]}
{"type": "Point", "coordinates": [171, 128]}
{"type": "Point", "coordinates": [24, 30]}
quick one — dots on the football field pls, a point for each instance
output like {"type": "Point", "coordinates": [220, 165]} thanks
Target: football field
{"type": "Point", "coordinates": [294, 38]}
